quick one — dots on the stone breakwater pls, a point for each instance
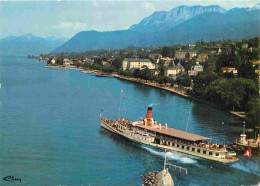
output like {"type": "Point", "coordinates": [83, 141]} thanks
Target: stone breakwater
{"type": "Point", "coordinates": [150, 178]}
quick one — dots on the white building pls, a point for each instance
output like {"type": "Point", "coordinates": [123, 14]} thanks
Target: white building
{"type": "Point", "coordinates": [130, 63]}
{"type": "Point", "coordinates": [66, 62]}
{"type": "Point", "coordinates": [171, 71]}
{"type": "Point", "coordinates": [197, 68]}
{"type": "Point", "coordinates": [53, 61]}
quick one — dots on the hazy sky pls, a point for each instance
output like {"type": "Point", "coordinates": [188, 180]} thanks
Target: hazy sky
{"type": "Point", "coordinates": [66, 18]}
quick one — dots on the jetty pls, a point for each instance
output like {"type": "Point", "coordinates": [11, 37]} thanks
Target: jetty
{"type": "Point", "coordinates": [162, 178]}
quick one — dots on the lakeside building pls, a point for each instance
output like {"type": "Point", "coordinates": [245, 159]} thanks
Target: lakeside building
{"type": "Point", "coordinates": [257, 70]}
{"type": "Point", "coordinates": [202, 57]}
{"type": "Point", "coordinates": [155, 57]}
{"type": "Point", "coordinates": [174, 71]}
{"type": "Point", "coordinates": [167, 61]}
{"type": "Point", "coordinates": [228, 70]}
{"type": "Point", "coordinates": [192, 54]}
{"type": "Point", "coordinates": [213, 52]}
{"type": "Point", "coordinates": [255, 62]}
{"type": "Point", "coordinates": [197, 68]}
{"type": "Point", "coordinates": [180, 55]}
{"type": "Point", "coordinates": [191, 46]}
{"type": "Point", "coordinates": [171, 71]}
{"type": "Point", "coordinates": [105, 63]}
{"type": "Point", "coordinates": [130, 63]}
{"type": "Point", "coordinates": [245, 46]}
{"type": "Point", "coordinates": [179, 68]}
{"type": "Point", "coordinates": [66, 62]}
{"type": "Point", "coordinates": [89, 61]}
{"type": "Point", "coordinates": [53, 61]}
{"type": "Point", "coordinates": [219, 50]}
{"type": "Point", "coordinates": [192, 73]}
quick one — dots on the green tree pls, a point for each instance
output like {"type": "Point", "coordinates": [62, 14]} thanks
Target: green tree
{"type": "Point", "coordinates": [238, 60]}
{"type": "Point", "coordinates": [117, 63]}
{"type": "Point", "coordinates": [187, 56]}
{"type": "Point", "coordinates": [253, 116]}
{"type": "Point", "coordinates": [247, 71]}
{"type": "Point", "coordinates": [206, 66]}
{"type": "Point", "coordinates": [136, 73]}
{"type": "Point", "coordinates": [231, 92]}
{"type": "Point", "coordinates": [125, 73]}
{"type": "Point", "coordinates": [165, 51]}
{"type": "Point", "coordinates": [184, 80]}
{"type": "Point", "coordinates": [225, 92]}
{"type": "Point", "coordinates": [97, 61]}
{"type": "Point", "coordinates": [202, 80]}
{"type": "Point", "coordinates": [146, 74]}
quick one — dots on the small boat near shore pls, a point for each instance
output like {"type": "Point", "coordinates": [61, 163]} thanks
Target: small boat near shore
{"type": "Point", "coordinates": [147, 131]}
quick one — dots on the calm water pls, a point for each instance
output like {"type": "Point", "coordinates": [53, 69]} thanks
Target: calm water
{"type": "Point", "coordinates": [50, 132]}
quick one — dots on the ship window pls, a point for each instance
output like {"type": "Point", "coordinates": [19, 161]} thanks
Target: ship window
{"type": "Point", "coordinates": [210, 153]}
{"type": "Point", "coordinates": [188, 148]}
{"type": "Point", "coordinates": [178, 145]}
{"type": "Point", "coordinates": [172, 144]}
{"type": "Point", "coordinates": [198, 150]}
{"type": "Point", "coordinates": [182, 146]}
{"type": "Point", "coordinates": [217, 154]}
{"type": "Point", "coordinates": [204, 152]}
{"type": "Point", "coordinates": [193, 149]}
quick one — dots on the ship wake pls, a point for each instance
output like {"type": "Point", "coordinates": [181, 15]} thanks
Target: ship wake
{"type": "Point", "coordinates": [250, 167]}
{"type": "Point", "coordinates": [172, 155]}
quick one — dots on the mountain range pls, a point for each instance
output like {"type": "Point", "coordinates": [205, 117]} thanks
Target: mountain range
{"type": "Point", "coordinates": [163, 20]}
{"type": "Point", "coordinates": [181, 25]}
{"type": "Point", "coordinates": [28, 44]}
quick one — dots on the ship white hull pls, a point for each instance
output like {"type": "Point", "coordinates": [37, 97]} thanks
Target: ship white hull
{"type": "Point", "coordinates": [132, 138]}
{"type": "Point", "coordinates": [135, 139]}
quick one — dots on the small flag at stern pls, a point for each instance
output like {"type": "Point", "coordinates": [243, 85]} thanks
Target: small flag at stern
{"type": "Point", "coordinates": [248, 153]}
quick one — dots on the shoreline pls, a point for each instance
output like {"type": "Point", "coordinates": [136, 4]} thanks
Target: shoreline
{"type": "Point", "coordinates": [174, 91]}
{"type": "Point", "coordinates": [240, 115]}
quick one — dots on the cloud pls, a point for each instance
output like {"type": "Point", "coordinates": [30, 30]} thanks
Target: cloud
{"type": "Point", "coordinates": [72, 26]}
{"type": "Point", "coordinates": [149, 6]}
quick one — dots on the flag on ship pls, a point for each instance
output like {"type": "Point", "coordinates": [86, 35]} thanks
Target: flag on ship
{"type": "Point", "coordinates": [248, 153]}
{"type": "Point", "coordinates": [123, 94]}
{"type": "Point", "coordinates": [102, 109]}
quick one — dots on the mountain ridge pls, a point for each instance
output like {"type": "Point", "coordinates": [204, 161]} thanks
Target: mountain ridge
{"type": "Point", "coordinates": [175, 16]}
{"type": "Point", "coordinates": [233, 24]}
{"type": "Point", "coordinates": [28, 44]}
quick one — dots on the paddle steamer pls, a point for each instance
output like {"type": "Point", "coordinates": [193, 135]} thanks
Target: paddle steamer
{"type": "Point", "coordinates": [147, 131]}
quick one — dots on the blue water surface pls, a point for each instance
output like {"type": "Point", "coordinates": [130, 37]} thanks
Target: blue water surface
{"type": "Point", "coordinates": [50, 132]}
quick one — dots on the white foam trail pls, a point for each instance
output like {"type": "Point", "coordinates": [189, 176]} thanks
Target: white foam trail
{"type": "Point", "coordinates": [250, 167]}
{"type": "Point", "coordinates": [153, 104]}
{"type": "Point", "coordinates": [172, 155]}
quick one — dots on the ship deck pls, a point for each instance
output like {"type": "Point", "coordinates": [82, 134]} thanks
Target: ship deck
{"type": "Point", "coordinates": [171, 132]}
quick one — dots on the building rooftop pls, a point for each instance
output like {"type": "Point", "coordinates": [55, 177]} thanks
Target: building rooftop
{"type": "Point", "coordinates": [171, 132]}
{"type": "Point", "coordinates": [137, 60]}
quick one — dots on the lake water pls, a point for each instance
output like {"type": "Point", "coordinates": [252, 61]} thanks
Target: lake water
{"type": "Point", "coordinates": [50, 132]}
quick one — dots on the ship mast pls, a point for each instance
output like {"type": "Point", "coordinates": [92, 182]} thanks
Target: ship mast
{"type": "Point", "coordinates": [120, 104]}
